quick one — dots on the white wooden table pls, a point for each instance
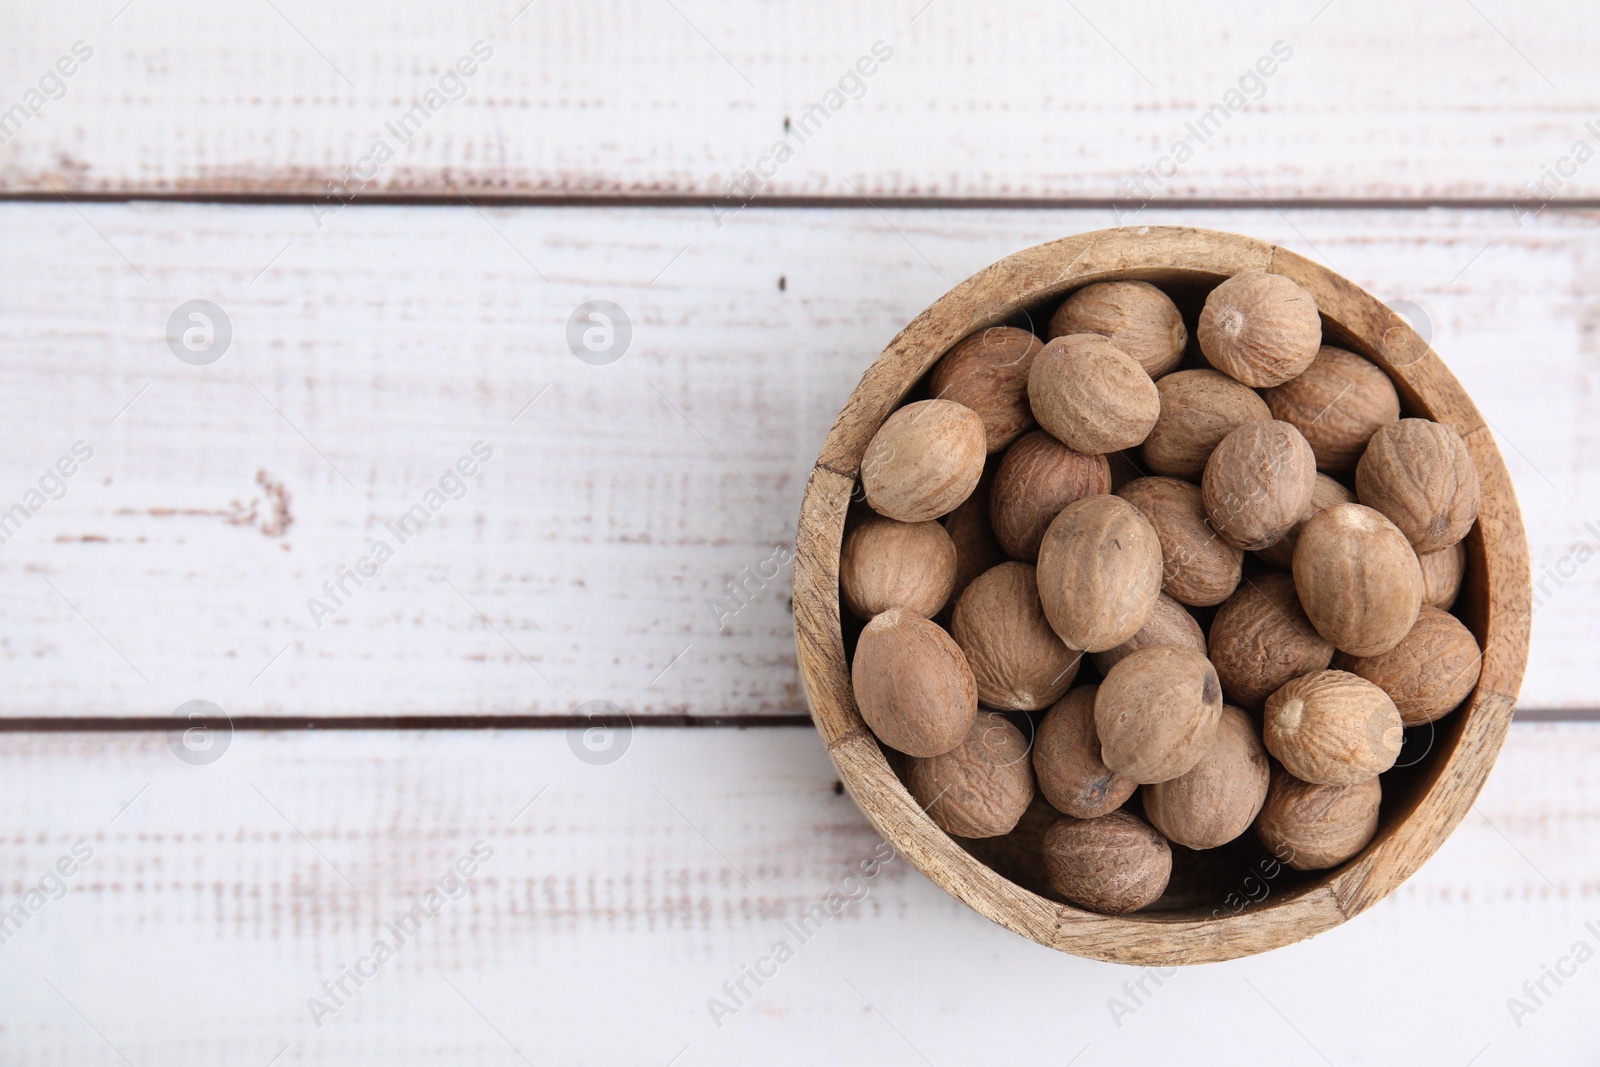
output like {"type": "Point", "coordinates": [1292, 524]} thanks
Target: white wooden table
{"type": "Point", "coordinates": [216, 902]}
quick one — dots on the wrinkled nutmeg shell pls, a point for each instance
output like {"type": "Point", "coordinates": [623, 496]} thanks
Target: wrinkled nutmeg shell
{"type": "Point", "coordinates": [912, 684]}
{"type": "Point", "coordinates": [1099, 572]}
{"type": "Point", "coordinates": [1337, 403]}
{"type": "Point", "coordinates": [1169, 624]}
{"type": "Point", "coordinates": [1156, 713]}
{"type": "Point", "coordinates": [976, 547]}
{"type": "Point", "coordinates": [1420, 475]}
{"type": "Point", "coordinates": [1198, 409]}
{"type": "Point", "coordinates": [1325, 492]}
{"type": "Point", "coordinates": [1261, 329]}
{"type": "Point", "coordinates": [1220, 796]}
{"type": "Point", "coordinates": [1066, 760]}
{"type": "Point", "coordinates": [981, 787]}
{"type": "Point", "coordinates": [988, 372]}
{"type": "Point", "coordinates": [1333, 728]}
{"type": "Point", "coordinates": [1016, 658]}
{"type": "Point", "coordinates": [1314, 827]}
{"type": "Point", "coordinates": [924, 461]}
{"type": "Point", "coordinates": [1358, 579]}
{"type": "Point", "coordinates": [1198, 567]}
{"type": "Point", "coordinates": [1258, 483]}
{"type": "Point", "coordinates": [1037, 477]}
{"type": "Point", "coordinates": [1092, 396]}
{"type": "Point", "coordinates": [1442, 572]}
{"type": "Point", "coordinates": [1429, 673]}
{"type": "Point", "coordinates": [887, 564]}
{"type": "Point", "coordinates": [1260, 639]}
{"type": "Point", "coordinates": [1135, 316]}
{"type": "Point", "coordinates": [1113, 865]}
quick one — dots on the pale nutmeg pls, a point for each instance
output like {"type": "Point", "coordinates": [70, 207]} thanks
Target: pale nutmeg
{"type": "Point", "coordinates": [1258, 483]}
{"type": "Point", "coordinates": [1037, 477]}
{"type": "Point", "coordinates": [1016, 658]}
{"type": "Point", "coordinates": [1169, 624]}
{"type": "Point", "coordinates": [1113, 865]}
{"type": "Point", "coordinates": [1092, 396]}
{"type": "Point", "coordinates": [1338, 403]}
{"type": "Point", "coordinates": [1220, 796]}
{"type": "Point", "coordinates": [988, 372]}
{"type": "Point", "coordinates": [1260, 639]}
{"type": "Point", "coordinates": [1314, 827]}
{"type": "Point", "coordinates": [1156, 713]}
{"type": "Point", "coordinates": [924, 460]}
{"type": "Point", "coordinates": [1066, 760]}
{"type": "Point", "coordinates": [1198, 409]}
{"type": "Point", "coordinates": [1332, 728]}
{"type": "Point", "coordinates": [912, 684]}
{"type": "Point", "coordinates": [1260, 329]}
{"type": "Point", "coordinates": [1420, 474]}
{"type": "Point", "coordinates": [981, 787]}
{"type": "Point", "coordinates": [1099, 572]}
{"type": "Point", "coordinates": [1442, 572]}
{"type": "Point", "coordinates": [976, 547]}
{"type": "Point", "coordinates": [887, 564]}
{"type": "Point", "coordinates": [1325, 492]}
{"type": "Point", "coordinates": [1429, 673]}
{"type": "Point", "coordinates": [1198, 567]}
{"type": "Point", "coordinates": [1357, 578]}
{"type": "Point", "coordinates": [1135, 316]}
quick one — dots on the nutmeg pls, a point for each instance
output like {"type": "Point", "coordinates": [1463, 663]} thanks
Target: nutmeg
{"type": "Point", "coordinates": [1016, 658]}
{"type": "Point", "coordinates": [1261, 329]}
{"type": "Point", "coordinates": [1429, 673]}
{"type": "Point", "coordinates": [924, 460]}
{"type": "Point", "coordinates": [1198, 567]}
{"type": "Point", "coordinates": [1313, 827]}
{"type": "Point", "coordinates": [1337, 403]}
{"type": "Point", "coordinates": [1037, 477]}
{"type": "Point", "coordinates": [988, 372]}
{"type": "Point", "coordinates": [1325, 492]}
{"type": "Point", "coordinates": [1135, 316]}
{"type": "Point", "coordinates": [1260, 639]}
{"type": "Point", "coordinates": [1156, 712]}
{"type": "Point", "coordinates": [1169, 624]}
{"type": "Point", "coordinates": [1198, 409]}
{"type": "Point", "coordinates": [1099, 572]}
{"type": "Point", "coordinates": [887, 564]}
{"type": "Point", "coordinates": [976, 547]}
{"type": "Point", "coordinates": [1420, 474]}
{"type": "Point", "coordinates": [1357, 578]}
{"type": "Point", "coordinates": [1066, 760]}
{"type": "Point", "coordinates": [1114, 864]}
{"type": "Point", "coordinates": [1220, 796]}
{"type": "Point", "coordinates": [1090, 395]}
{"type": "Point", "coordinates": [1333, 728]}
{"type": "Point", "coordinates": [1257, 484]}
{"type": "Point", "coordinates": [981, 787]}
{"type": "Point", "coordinates": [912, 684]}
{"type": "Point", "coordinates": [1441, 575]}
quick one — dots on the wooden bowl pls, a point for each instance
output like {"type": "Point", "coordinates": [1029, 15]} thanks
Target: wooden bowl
{"type": "Point", "coordinates": [1234, 901]}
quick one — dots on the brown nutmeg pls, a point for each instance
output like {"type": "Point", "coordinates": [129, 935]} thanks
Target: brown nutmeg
{"type": "Point", "coordinates": [1135, 316]}
{"type": "Point", "coordinates": [1156, 713]}
{"type": "Point", "coordinates": [1313, 827]}
{"type": "Point", "coordinates": [1113, 865]}
{"type": "Point", "coordinates": [1169, 624]}
{"type": "Point", "coordinates": [1429, 673]}
{"type": "Point", "coordinates": [912, 684]}
{"type": "Point", "coordinates": [988, 372]}
{"type": "Point", "coordinates": [1357, 578]}
{"type": "Point", "coordinates": [1066, 760]}
{"type": "Point", "coordinates": [1220, 796]}
{"type": "Point", "coordinates": [1258, 482]}
{"type": "Point", "coordinates": [1442, 572]}
{"type": "Point", "coordinates": [924, 460]}
{"type": "Point", "coordinates": [1333, 728]}
{"type": "Point", "coordinates": [1337, 403]}
{"type": "Point", "coordinates": [981, 787]}
{"type": "Point", "coordinates": [1198, 567]}
{"type": "Point", "coordinates": [1091, 395]}
{"type": "Point", "coordinates": [976, 547]}
{"type": "Point", "coordinates": [1198, 409]}
{"type": "Point", "coordinates": [1260, 639]}
{"type": "Point", "coordinates": [1261, 329]}
{"type": "Point", "coordinates": [1037, 477]}
{"type": "Point", "coordinates": [1420, 475]}
{"type": "Point", "coordinates": [1325, 492]}
{"type": "Point", "coordinates": [1016, 658]}
{"type": "Point", "coordinates": [1099, 572]}
{"type": "Point", "coordinates": [887, 564]}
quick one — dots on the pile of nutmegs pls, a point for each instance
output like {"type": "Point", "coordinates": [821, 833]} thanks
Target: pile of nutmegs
{"type": "Point", "coordinates": [1277, 491]}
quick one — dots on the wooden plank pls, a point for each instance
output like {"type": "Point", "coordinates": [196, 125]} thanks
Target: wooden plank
{"type": "Point", "coordinates": [629, 98]}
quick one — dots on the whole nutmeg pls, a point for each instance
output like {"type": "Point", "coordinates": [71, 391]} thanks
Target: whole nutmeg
{"type": "Point", "coordinates": [1420, 474]}
{"type": "Point", "coordinates": [912, 684]}
{"type": "Point", "coordinates": [1325, 492]}
{"type": "Point", "coordinates": [1113, 865]}
{"type": "Point", "coordinates": [1313, 827]}
{"type": "Point", "coordinates": [1169, 624]}
{"type": "Point", "coordinates": [1261, 329]}
{"type": "Point", "coordinates": [1198, 567]}
{"type": "Point", "coordinates": [1333, 728]}
{"type": "Point", "coordinates": [887, 564]}
{"type": "Point", "coordinates": [1156, 713]}
{"type": "Point", "coordinates": [1017, 660]}
{"type": "Point", "coordinates": [1337, 403]}
{"type": "Point", "coordinates": [1429, 673]}
{"type": "Point", "coordinates": [1220, 796]}
{"type": "Point", "coordinates": [924, 460]}
{"type": "Point", "coordinates": [976, 547]}
{"type": "Point", "coordinates": [1091, 395]}
{"type": "Point", "coordinates": [1198, 409]}
{"type": "Point", "coordinates": [1357, 578]}
{"type": "Point", "coordinates": [1258, 482]}
{"type": "Point", "coordinates": [981, 787]}
{"type": "Point", "coordinates": [1099, 572]}
{"type": "Point", "coordinates": [1441, 575]}
{"type": "Point", "coordinates": [1261, 639]}
{"type": "Point", "coordinates": [1066, 760]}
{"type": "Point", "coordinates": [1037, 477]}
{"type": "Point", "coordinates": [988, 372]}
{"type": "Point", "coordinates": [1135, 316]}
